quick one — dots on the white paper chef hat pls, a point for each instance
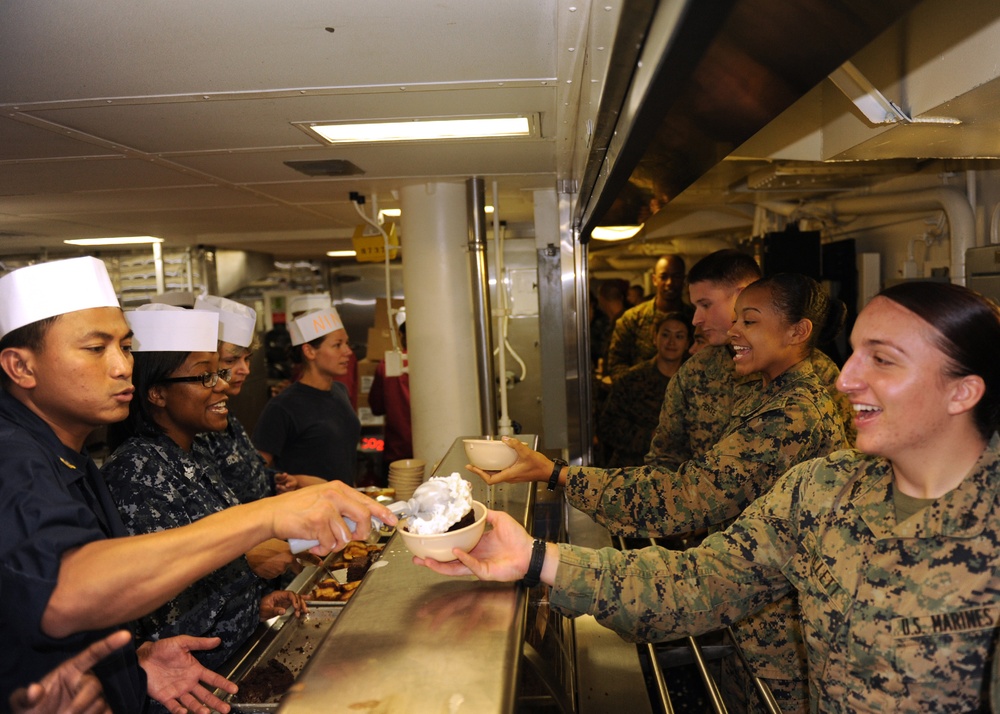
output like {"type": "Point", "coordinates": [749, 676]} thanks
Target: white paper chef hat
{"type": "Point", "coordinates": [167, 328]}
{"type": "Point", "coordinates": [314, 324]}
{"type": "Point", "coordinates": [36, 292]}
{"type": "Point", "coordinates": [237, 321]}
{"type": "Point", "coordinates": [308, 303]}
{"type": "Point", "coordinates": [180, 298]}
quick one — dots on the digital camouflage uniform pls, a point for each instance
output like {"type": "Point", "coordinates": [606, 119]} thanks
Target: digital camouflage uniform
{"type": "Point", "coordinates": [633, 340]}
{"type": "Point", "coordinates": [897, 617]}
{"type": "Point", "coordinates": [240, 465]}
{"type": "Point", "coordinates": [626, 422]}
{"type": "Point", "coordinates": [995, 683]}
{"type": "Point", "coordinates": [772, 428]}
{"type": "Point", "coordinates": [157, 485]}
{"type": "Point", "coordinates": [696, 409]}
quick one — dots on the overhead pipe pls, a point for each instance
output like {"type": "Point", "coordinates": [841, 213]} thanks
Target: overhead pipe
{"type": "Point", "coordinates": [954, 203]}
{"type": "Point", "coordinates": [475, 198]}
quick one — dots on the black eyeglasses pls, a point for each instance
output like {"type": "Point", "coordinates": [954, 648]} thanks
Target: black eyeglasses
{"type": "Point", "coordinates": [207, 379]}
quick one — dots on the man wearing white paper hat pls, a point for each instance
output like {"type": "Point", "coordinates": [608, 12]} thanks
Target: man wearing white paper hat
{"type": "Point", "coordinates": [66, 369]}
{"type": "Point", "coordinates": [311, 426]}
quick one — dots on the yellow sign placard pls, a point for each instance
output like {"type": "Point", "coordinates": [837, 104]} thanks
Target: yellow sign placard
{"type": "Point", "coordinates": [371, 248]}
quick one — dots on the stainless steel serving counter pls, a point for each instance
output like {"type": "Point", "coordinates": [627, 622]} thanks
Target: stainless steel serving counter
{"type": "Point", "coordinates": [414, 641]}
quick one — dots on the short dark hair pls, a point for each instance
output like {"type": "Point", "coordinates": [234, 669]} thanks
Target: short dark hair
{"type": "Point", "coordinates": [613, 289]}
{"type": "Point", "coordinates": [673, 258]}
{"type": "Point", "coordinates": [680, 317]}
{"type": "Point", "coordinates": [30, 336]}
{"type": "Point", "coordinates": [296, 352]}
{"type": "Point", "coordinates": [967, 330]}
{"type": "Point", "coordinates": [727, 267]}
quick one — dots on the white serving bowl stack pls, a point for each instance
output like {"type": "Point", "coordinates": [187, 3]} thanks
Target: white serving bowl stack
{"type": "Point", "coordinates": [405, 475]}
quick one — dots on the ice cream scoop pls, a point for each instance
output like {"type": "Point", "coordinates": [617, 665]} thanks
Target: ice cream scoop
{"type": "Point", "coordinates": [399, 508]}
{"type": "Point", "coordinates": [436, 505]}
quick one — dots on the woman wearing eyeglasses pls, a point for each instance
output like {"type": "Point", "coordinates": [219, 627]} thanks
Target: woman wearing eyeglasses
{"type": "Point", "coordinates": [158, 481]}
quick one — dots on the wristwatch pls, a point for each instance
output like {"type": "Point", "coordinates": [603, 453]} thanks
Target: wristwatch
{"type": "Point", "coordinates": [534, 574]}
{"type": "Point", "coordinates": [554, 478]}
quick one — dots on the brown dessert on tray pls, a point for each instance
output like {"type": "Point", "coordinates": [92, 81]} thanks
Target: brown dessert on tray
{"type": "Point", "coordinates": [265, 683]}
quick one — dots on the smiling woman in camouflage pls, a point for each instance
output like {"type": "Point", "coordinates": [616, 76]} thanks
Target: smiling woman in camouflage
{"type": "Point", "coordinates": [782, 414]}
{"type": "Point", "coordinates": [892, 549]}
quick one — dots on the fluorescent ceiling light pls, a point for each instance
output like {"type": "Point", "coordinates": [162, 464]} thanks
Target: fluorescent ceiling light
{"type": "Point", "coordinates": [421, 129]}
{"type": "Point", "coordinates": [396, 213]}
{"type": "Point", "coordinates": [615, 232]}
{"type": "Point", "coordinates": [123, 240]}
{"type": "Point", "coordinates": [341, 253]}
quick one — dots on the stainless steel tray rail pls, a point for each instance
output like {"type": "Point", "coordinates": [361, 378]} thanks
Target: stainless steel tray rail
{"type": "Point", "coordinates": [693, 650]}
{"type": "Point", "coordinates": [412, 640]}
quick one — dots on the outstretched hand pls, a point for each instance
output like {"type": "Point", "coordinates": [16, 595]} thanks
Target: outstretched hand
{"type": "Point", "coordinates": [177, 680]}
{"type": "Point", "coordinates": [530, 466]}
{"type": "Point", "coordinates": [70, 688]}
{"type": "Point", "coordinates": [502, 554]}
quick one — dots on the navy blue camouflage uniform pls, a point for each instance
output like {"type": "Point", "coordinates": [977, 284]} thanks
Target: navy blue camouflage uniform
{"type": "Point", "coordinates": [157, 485]}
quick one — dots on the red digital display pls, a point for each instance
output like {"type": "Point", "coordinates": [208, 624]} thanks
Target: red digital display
{"type": "Point", "coordinates": [372, 443]}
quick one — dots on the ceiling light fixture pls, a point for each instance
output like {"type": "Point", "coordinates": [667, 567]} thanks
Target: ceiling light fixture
{"type": "Point", "coordinates": [341, 253]}
{"type": "Point", "coordinates": [615, 232]}
{"type": "Point", "coordinates": [123, 240]}
{"type": "Point", "coordinates": [396, 213]}
{"type": "Point", "coordinates": [422, 129]}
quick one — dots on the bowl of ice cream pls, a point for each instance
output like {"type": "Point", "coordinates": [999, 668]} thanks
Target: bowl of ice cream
{"type": "Point", "coordinates": [489, 454]}
{"type": "Point", "coordinates": [439, 545]}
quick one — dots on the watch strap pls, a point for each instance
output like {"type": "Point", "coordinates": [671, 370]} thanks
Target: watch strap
{"type": "Point", "coordinates": [557, 466]}
{"type": "Point", "coordinates": [534, 574]}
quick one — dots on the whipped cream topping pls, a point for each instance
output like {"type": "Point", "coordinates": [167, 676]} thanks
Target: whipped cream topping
{"type": "Point", "coordinates": [438, 504]}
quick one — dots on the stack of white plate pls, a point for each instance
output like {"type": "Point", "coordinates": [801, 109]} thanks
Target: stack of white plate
{"type": "Point", "coordinates": [405, 475]}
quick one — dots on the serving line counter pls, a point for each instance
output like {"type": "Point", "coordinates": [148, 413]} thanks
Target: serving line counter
{"type": "Point", "coordinates": [412, 640]}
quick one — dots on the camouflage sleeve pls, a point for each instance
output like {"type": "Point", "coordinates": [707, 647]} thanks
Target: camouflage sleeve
{"type": "Point", "coordinates": [621, 350]}
{"type": "Point", "coordinates": [655, 594]}
{"type": "Point", "coordinates": [995, 680]}
{"type": "Point", "coordinates": [669, 447]}
{"type": "Point", "coordinates": [707, 490]}
{"type": "Point", "coordinates": [619, 425]}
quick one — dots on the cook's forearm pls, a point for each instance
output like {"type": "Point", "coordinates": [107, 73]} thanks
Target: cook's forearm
{"type": "Point", "coordinates": [108, 582]}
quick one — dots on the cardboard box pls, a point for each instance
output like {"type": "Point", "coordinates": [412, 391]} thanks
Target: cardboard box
{"type": "Point", "coordinates": [382, 315]}
{"type": "Point", "coordinates": [379, 342]}
{"type": "Point", "coordinates": [366, 373]}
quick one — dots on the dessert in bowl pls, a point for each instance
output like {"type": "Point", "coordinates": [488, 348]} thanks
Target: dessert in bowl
{"type": "Point", "coordinates": [441, 516]}
{"type": "Point", "coordinates": [489, 454]}
{"type": "Point", "coordinates": [439, 545]}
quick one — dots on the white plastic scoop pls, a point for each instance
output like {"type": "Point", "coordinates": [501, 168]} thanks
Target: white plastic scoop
{"type": "Point", "coordinates": [425, 504]}
{"type": "Point", "coordinates": [399, 508]}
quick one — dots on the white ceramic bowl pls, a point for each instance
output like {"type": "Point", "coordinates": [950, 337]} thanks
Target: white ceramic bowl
{"type": "Point", "coordinates": [489, 454]}
{"type": "Point", "coordinates": [439, 545]}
